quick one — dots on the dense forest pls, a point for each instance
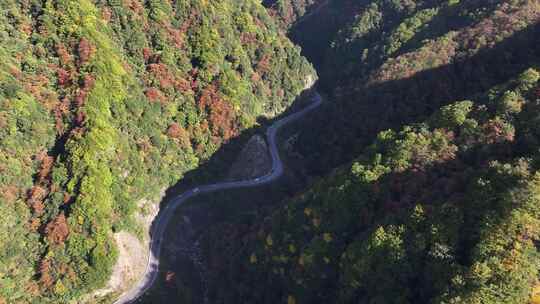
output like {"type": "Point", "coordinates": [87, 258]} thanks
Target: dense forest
{"type": "Point", "coordinates": [288, 12]}
{"type": "Point", "coordinates": [426, 158]}
{"type": "Point", "coordinates": [104, 103]}
{"type": "Point", "coordinates": [416, 181]}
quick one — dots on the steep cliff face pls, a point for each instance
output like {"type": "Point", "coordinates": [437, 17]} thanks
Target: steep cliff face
{"type": "Point", "coordinates": [431, 123]}
{"type": "Point", "coordinates": [103, 103]}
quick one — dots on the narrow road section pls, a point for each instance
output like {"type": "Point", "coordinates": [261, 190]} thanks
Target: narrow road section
{"type": "Point", "coordinates": [164, 216]}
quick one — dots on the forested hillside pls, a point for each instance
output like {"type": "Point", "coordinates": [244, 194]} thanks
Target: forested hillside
{"type": "Point", "coordinates": [443, 211]}
{"type": "Point", "coordinates": [287, 12]}
{"type": "Point", "coordinates": [431, 121]}
{"type": "Point", "coordinates": [104, 103]}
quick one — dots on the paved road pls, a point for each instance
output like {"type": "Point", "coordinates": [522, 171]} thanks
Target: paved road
{"type": "Point", "coordinates": [164, 216]}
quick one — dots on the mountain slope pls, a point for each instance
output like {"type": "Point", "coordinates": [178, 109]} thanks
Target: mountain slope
{"type": "Point", "coordinates": [445, 211]}
{"type": "Point", "coordinates": [287, 12]}
{"type": "Point", "coordinates": [440, 62]}
{"type": "Point", "coordinates": [431, 123]}
{"type": "Point", "coordinates": [103, 103]}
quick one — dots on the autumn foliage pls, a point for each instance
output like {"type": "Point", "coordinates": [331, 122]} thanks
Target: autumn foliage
{"type": "Point", "coordinates": [97, 98]}
{"type": "Point", "coordinates": [57, 230]}
{"type": "Point", "coordinates": [85, 51]}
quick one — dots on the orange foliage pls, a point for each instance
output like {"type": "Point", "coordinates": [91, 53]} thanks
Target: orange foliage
{"type": "Point", "coordinates": [255, 77]}
{"type": "Point", "coordinates": [495, 132]}
{"type": "Point", "coordinates": [82, 93]}
{"type": "Point", "coordinates": [37, 193]}
{"type": "Point", "coordinates": [64, 78]}
{"type": "Point", "coordinates": [46, 166]}
{"type": "Point", "coordinates": [161, 72]}
{"type": "Point", "coordinates": [45, 278]}
{"type": "Point", "coordinates": [248, 38]}
{"type": "Point", "coordinates": [77, 132]}
{"type": "Point", "coordinates": [199, 149]}
{"type": "Point", "coordinates": [154, 95]}
{"type": "Point", "coordinates": [176, 131]}
{"type": "Point", "coordinates": [86, 50]}
{"type": "Point", "coordinates": [222, 119]}
{"type": "Point", "coordinates": [503, 23]}
{"type": "Point", "coordinates": [147, 53]}
{"type": "Point", "coordinates": [3, 120]}
{"type": "Point", "coordinates": [63, 54]}
{"type": "Point", "coordinates": [59, 124]}
{"type": "Point", "coordinates": [15, 72]}
{"type": "Point", "coordinates": [176, 36]}
{"type": "Point", "coordinates": [135, 5]}
{"type": "Point", "coordinates": [263, 66]}
{"type": "Point", "coordinates": [32, 289]}
{"type": "Point", "coordinates": [67, 198]}
{"type": "Point", "coordinates": [35, 85]}
{"type": "Point", "coordinates": [80, 98]}
{"type": "Point", "coordinates": [9, 193]}
{"type": "Point", "coordinates": [34, 225]}
{"type": "Point", "coordinates": [60, 110]}
{"type": "Point", "coordinates": [221, 114]}
{"type": "Point", "coordinates": [182, 85]}
{"type": "Point", "coordinates": [38, 207]}
{"type": "Point", "coordinates": [57, 231]}
{"type": "Point", "coordinates": [89, 81]}
{"type": "Point", "coordinates": [206, 98]}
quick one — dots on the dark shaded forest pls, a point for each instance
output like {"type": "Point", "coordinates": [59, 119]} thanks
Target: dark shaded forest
{"type": "Point", "coordinates": [425, 161]}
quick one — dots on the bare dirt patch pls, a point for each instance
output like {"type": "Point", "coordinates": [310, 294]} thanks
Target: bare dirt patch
{"type": "Point", "coordinates": [132, 252]}
{"type": "Point", "coordinates": [253, 161]}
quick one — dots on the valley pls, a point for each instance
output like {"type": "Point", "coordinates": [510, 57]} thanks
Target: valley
{"type": "Point", "coordinates": [133, 134]}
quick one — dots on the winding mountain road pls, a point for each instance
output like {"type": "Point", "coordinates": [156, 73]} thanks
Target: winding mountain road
{"type": "Point", "coordinates": [163, 218]}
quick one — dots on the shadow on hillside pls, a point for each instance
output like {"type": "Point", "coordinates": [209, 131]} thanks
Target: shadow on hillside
{"type": "Point", "coordinates": [389, 201]}
{"type": "Point", "coordinates": [345, 126]}
{"type": "Point", "coordinates": [446, 21]}
{"type": "Point", "coordinates": [339, 130]}
{"type": "Point", "coordinates": [216, 168]}
{"type": "Point", "coordinates": [212, 171]}
{"type": "Point", "coordinates": [314, 36]}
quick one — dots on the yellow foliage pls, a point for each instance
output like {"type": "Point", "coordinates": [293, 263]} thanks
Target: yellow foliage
{"type": "Point", "coordinates": [269, 240]}
{"type": "Point", "coordinates": [292, 248]}
{"type": "Point", "coordinates": [59, 288]}
{"type": "Point", "coordinates": [253, 258]}
{"type": "Point", "coordinates": [327, 237]}
{"type": "Point", "coordinates": [291, 300]}
{"type": "Point", "coordinates": [535, 295]}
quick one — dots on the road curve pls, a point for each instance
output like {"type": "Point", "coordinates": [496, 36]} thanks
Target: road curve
{"type": "Point", "coordinates": [164, 216]}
